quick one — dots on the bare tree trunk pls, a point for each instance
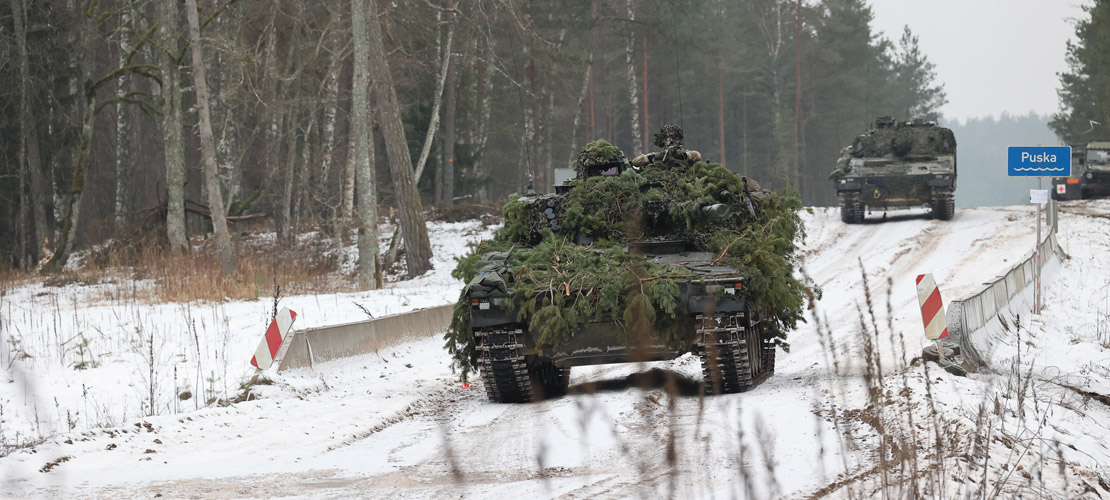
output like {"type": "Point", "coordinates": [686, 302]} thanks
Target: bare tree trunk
{"type": "Point", "coordinates": [275, 126]}
{"type": "Point", "coordinates": [770, 22]}
{"type": "Point", "coordinates": [595, 59]}
{"type": "Point", "coordinates": [547, 143]}
{"type": "Point", "coordinates": [721, 108]}
{"type": "Point", "coordinates": [331, 96]}
{"type": "Point", "coordinates": [418, 251]}
{"type": "Point", "coordinates": [40, 195]}
{"type": "Point", "coordinates": [744, 121]}
{"type": "Point", "coordinates": [528, 137]}
{"type": "Point", "coordinates": [32, 215]}
{"type": "Point", "coordinates": [797, 165]}
{"type": "Point", "coordinates": [288, 175]}
{"type": "Point", "coordinates": [23, 230]}
{"type": "Point", "coordinates": [362, 146]}
{"type": "Point", "coordinates": [647, 117]}
{"type": "Point", "coordinates": [543, 105]}
{"type": "Point", "coordinates": [302, 178]}
{"type": "Point", "coordinates": [452, 90]}
{"type": "Point", "coordinates": [207, 145]}
{"type": "Point", "coordinates": [633, 94]}
{"type": "Point", "coordinates": [123, 123]}
{"type": "Point", "coordinates": [228, 157]}
{"type": "Point", "coordinates": [72, 207]}
{"type": "Point", "coordinates": [433, 125]}
{"type": "Point", "coordinates": [439, 158]}
{"type": "Point", "coordinates": [347, 207]}
{"type": "Point", "coordinates": [58, 161]}
{"type": "Point", "coordinates": [578, 112]}
{"type": "Point", "coordinates": [441, 165]}
{"type": "Point", "coordinates": [527, 174]}
{"type": "Point", "coordinates": [173, 125]}
{"type": "Point", "coordinates": [485, 80]}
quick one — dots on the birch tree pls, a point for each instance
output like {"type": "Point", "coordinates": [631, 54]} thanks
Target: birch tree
{"type": "Point", "coordinates": [123, 119]}
{"type": "Point", "coordinates": [208, 146]}
{"type": "Point", "coordinates": [173, 124]}
{"type": "Point", "coordinates": [633, 94]}
{"type": "Point", "coordinates": [362, 151]}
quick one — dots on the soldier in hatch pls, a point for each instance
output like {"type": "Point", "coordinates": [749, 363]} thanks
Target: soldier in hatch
{"type": "Point", "coordinates": [672, 154]}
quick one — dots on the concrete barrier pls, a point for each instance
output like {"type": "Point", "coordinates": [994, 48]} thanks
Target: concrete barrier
{"type": "Point", "coordinates": [316, 345]}
{"type": "Point", "coordinates": [996, 303]}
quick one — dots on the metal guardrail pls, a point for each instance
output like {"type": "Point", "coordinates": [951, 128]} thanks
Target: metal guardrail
{"type": "Point", "coordinates": [316, 345]}
{"type": "Point", "coordinates": [973, 312]}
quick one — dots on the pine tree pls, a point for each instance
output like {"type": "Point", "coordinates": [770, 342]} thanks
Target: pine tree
{"type": "Point", "coordinates": [917, 93]}
{"type": "Point", "coordinates": [1085, 88]}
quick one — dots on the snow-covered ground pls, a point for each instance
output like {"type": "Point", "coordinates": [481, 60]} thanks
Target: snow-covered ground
{"type": "Point", "coordinates": [89, 358]}
{"type": "Point", "coordinates": [398, 423]}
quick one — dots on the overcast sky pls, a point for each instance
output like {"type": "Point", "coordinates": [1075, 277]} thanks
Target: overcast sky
{"type": "Point", "coordinates": [991, 55]}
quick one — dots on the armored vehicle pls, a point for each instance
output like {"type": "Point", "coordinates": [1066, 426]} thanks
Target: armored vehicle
{"type": "Point", "coordinates": [897, 165]}
{"type": "Point", "coordinates": [613, 268]}
{"type": "Point", "coordinates": [1090, 173]}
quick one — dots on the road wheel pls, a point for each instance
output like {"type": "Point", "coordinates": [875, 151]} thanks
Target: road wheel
{"type": "Point", "coordinates": [505, 373]}
{"type": "Point", "coordinates": [548, 381]}
{"type": "Point", "coordinates": [851, 210]}
{"type": "Point", "coordinates": [726, 349]}
{"type": "Point", "coordinates": [769, 346]}
{"type": "Point", "coordinates": [943, 204]}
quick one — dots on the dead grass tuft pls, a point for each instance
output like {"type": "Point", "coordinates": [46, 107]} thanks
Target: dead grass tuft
{"type": "Point", "coordinates": [11, 277]}
{"type": "Point", "coordinates": [152, 272]}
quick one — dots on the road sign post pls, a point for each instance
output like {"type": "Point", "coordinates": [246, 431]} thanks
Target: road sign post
{"type": "Point", "coordinates": [1039, 161]}
{"type": "Point", "coordinates": [1038, 197]}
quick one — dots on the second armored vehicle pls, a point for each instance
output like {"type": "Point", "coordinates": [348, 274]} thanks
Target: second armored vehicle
{"type": "Point", "coordinates": [897, 165]}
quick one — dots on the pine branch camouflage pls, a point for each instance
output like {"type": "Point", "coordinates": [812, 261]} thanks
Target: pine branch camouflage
{"type": "Point", "coordinates": [562, 261]}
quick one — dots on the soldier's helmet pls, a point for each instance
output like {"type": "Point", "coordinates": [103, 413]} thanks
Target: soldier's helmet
{"type": "Point", "coordinates": [669, 135]}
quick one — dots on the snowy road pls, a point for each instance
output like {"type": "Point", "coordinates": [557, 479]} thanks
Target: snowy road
{"type": "Point", "coordinates": [398, 423]}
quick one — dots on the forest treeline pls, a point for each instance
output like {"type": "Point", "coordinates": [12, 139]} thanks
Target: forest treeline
{"type": "Point", "coordinates": [321, 112]}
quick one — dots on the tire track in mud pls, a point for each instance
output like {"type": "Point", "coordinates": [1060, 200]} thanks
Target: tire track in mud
{"type": "Point", "coordinates": [430, 405]}
{"type": "Point", "coordinates": [511, 438]}
{"type": "Point", "coordinates": [834, 266]}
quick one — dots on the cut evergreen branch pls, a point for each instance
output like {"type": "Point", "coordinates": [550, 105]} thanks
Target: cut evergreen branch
{"type": "Point", "coordinates": [555, 286]}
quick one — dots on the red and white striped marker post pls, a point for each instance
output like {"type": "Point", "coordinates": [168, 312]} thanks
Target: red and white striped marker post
{"type": "Point", "coordinates": [275, 336]}
{"type": "Point", "coordinates": [932, 310]}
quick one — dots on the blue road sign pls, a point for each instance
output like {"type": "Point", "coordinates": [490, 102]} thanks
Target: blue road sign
{"type": "Point", "coordinates": [1040, 161]}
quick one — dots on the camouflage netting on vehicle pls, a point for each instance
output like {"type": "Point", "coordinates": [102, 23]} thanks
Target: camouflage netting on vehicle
{"type": "Point", "coordinates": [562, 285]}
{"type": "Point", "coordinates": [905, 141]}
{"type": "Point", "coordinates": [598, 153]}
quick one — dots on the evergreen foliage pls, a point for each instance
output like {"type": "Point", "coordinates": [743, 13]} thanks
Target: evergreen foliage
{"type": "Point", "coordinates": [1084, 91]}
{"type": "Point", "coordinates": [557, 286]}
{"type": "Point", "coordinates": [533, 80]}
{"type": "Point", "coordinates": [916, 76]}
